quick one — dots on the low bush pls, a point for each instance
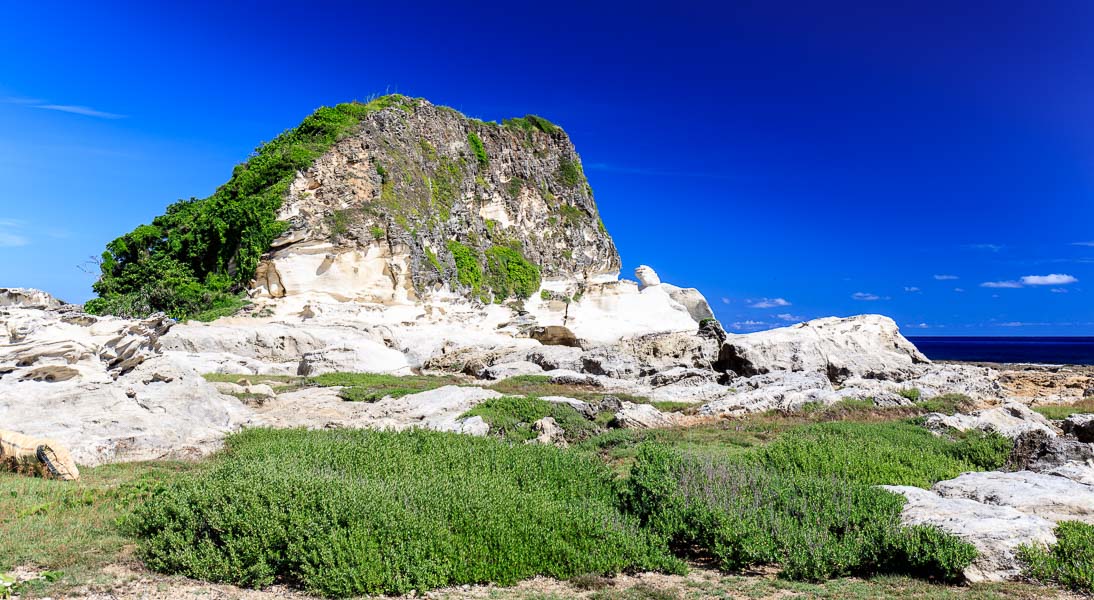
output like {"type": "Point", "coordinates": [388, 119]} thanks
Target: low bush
{"type": "Point", "coordinates": [508, 273]}
{"type": "Point", "coordinates": [893, 453]}
{"type": "Point", "coordinates": [1069, 563]}
{"type": "Point", "coordinates": [477, 148]}
{"type": "Point", "coordinates": [351, 512]}
{"type": "Point", "coordinates": [513, 416]}
{"type": "Point", "coordinates": [370, 387]}
{"type": "Point", "coordinates": [815, 526]}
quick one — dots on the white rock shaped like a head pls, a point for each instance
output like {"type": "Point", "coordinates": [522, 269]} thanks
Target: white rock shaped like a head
{"type": "Point", "coordinates": [647, 277]}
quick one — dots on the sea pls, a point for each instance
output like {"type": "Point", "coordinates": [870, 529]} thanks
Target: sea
{"type": "Point", "coordinates": [1041, 350]}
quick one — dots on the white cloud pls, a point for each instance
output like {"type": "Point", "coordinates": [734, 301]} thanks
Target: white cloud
{"type": "Point", "coordinates": [769, 303]}
{"type": "Point", "coordinates": [79, 110]}
{"type": "Point", "coordinates": [865, 297]}
{"type": "Point", "coordinates": [1012, 324]}
{"type": "Point", "coordinates": [988, 247]}
{"type": "Point", "coordinates": [1001, 284]}
{"type": "Point", "coordinates": [725, 300]}
{"type": "Point", "coordinates": [1088, 244]}
{"type": "Point", "coordinates": [12, 234]}
{"type": "Point", "coordinates": [958, 289]}
{"type": "Point", "coordinates": [911, 289]}
{"type": "Point", "coordinates": [917, 326]}
{"type": "Point", "coordinates": [789, 317]}
{"type": "Point", "coordinates": [1053, 279]}
{"type": "Point", "coordinates": [946, 277]}
{"type": "Point", "coordinates": [748, 324]}
{"type": "Point", "coordinates": [1058, 290]}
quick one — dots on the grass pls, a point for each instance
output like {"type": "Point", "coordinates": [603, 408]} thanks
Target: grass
{"type": "Point", "coordinates": [947, 404]}
{"type": "Point", "coordinates": [1058, 412]}
{"type": "Point", "coordinates": [71, 527]}
{"type": "Point", "coordinates": [370, 387]}
{"type": "Point", "coordinates": [347, 513]}
{"type": "Point", "coordinates": [540, 385]}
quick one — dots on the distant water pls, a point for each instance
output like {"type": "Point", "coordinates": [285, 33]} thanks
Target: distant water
{"type": "Point", "coordinates": [1049, 350]}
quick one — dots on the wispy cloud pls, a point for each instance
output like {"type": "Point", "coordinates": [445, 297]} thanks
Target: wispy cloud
{"type": "Point", "coordinates": [80, 110]}
{"type": "Point", "coordinates": [1053, 279]}
{"type": "Point", "coordinates": [866, 296]}
{"type": "Point", "coordinates": [946, 277]}
{"type": "Point", "coordinates": [988, 247]}
{"type": "Point", "coordinates": [12, 234]}
{"type": "Point", "coordinates": [911, 289]}
{"type": "Point", "coordinates": [725, 300]}
{"type": "Point", "coordinates": [1087, 244]}
{"type": "Point", "coordinates": [74, 109]}
{"type": "Point", "coordinates": [769, 303]}
{"type": "Point", "coordinates": [1001, 284]}
{"type": "Point", "coordinates": [1058, 290]}
{"type": "Point", "coordinates": [1013, 324]}
{"type": "Point", "coordinates": [917, 326]}
{"type": "Point", "coordinates": [959, 290]}
{"type": "Point", "coordinates": [789, 317]}
{"type": "Point", "coordinates": [748, 324]}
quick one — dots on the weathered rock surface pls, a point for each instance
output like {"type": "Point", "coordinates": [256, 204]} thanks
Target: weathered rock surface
{"type": "Point", "coordinates": [1081, 426]}
{"type": "Point", "coordinates": [101, 387]}
{"type": "Point", "coordinates": [1039, 451]}
{"type": "Point", "coordinates": [996, 530]}
{"type": "Point", "coordinates": [1011, 420]}
{"type": "Point", "coordinates": [865, 346]}
{"type": "Point", "coordinates": [643, 416]}
{"type": "Point", "coordinates": [1047, 496]}
{"type": "Point", "coordinates": [779, 390]}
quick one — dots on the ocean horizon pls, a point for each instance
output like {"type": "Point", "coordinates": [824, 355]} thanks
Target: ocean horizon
{"type": "Point", "coordinates": [1064, 350]}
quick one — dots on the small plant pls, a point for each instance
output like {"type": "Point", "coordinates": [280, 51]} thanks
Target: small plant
{"type": "Point", "coordinates": [1069, 563]}
{"type": "Point", "coordinates": [378, 232]}
{"type": "Point", "coordinates": [478, 149]}
{"type": "Point", "coordinates": [910, 393]}
{"type": "Point", "coordinates": [513, 416]}
{"type": "Point", "coordinates": [569, 172]}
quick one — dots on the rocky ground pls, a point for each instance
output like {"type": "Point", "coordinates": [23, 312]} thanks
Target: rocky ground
{"type": "Point", "coordinates": [115, 390]}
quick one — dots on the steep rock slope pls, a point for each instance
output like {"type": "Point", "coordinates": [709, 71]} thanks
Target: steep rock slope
{"type": "Point", "coordinates": [420, 198]}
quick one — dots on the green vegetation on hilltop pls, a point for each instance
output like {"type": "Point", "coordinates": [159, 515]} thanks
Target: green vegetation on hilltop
{"type": "Point", "coordinates": [348, 513]}
{"type": "Point", "coordinates": [199, 254]}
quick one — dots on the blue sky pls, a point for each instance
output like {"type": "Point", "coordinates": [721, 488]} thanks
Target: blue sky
{"type": "Point", "coordinates": [933, 162]}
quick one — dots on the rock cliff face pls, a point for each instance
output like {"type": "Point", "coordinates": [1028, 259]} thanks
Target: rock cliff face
{"type": "Point", "coordinates": [421, 199]}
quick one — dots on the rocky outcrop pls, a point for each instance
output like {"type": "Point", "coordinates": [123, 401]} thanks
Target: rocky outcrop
{"type": "Point", "coordinates": [1010, 420]}
{"type": "Point", "coordinates": [865, 346]}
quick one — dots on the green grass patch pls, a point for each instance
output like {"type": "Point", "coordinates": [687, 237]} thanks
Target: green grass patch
{"type": "Point", "coordinates": [948, 404]}
{"type": "Point", "coordinates": [348, 513]}
{"type": "Point", "coordinates": [512, 417]}
{"type": "Point", "coordinates": [1058, 412]}
{"type": "Point", "coordinates": [71, 526]}
{"type": "Point", "coordinates": [478, 149]}
{"type": "Point", "coordinates": [370, 387]}
{"type": "Point", "coordinates": [569, 173]}
{"type": "Point", "coordinates": [1069, 563]}
{"type": "Point", "coordinates": [531, 124]}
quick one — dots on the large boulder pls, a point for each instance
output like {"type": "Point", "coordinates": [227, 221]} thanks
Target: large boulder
{"type": "Point", "coordinates": [865, 346]}
{"type": "Point", "coordinates": [780, 390]}
{"type": "Point", "coordinates": [1010, 420]}
{"type": "Point", "coordinates": [996, 531]}
{"type": "Point", "coordinates": [1048, 496]}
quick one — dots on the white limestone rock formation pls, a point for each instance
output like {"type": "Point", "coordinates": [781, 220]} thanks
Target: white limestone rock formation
{"type": "Point", "coordinates": [1010, 420]}
{"type": "Point", "coordinates": [778, 390]}
{"type": "Point", "coordinates": [864, 346]}
{"type": "Point", "coordinates": [102, 387]}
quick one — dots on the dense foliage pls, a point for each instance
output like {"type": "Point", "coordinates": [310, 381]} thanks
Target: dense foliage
{"type": "Point", "coordinates": [507, 272]}
{"type": "Point", "coordinates": [199, 254]}
{"type": "Point", "coordinates": [513, 416]}
{"type": "Point", "coordinates": [477, 148]}
{"type": "Point", "coordinates": [349, 513]}
{"type": "Point", "coordinates": [814, 526]}
{"type": "Point", "coordinates": [1070, 562]}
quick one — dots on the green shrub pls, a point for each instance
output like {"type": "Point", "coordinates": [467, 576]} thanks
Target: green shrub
{"type": "Point", "coordinates": [468, 270]}
{"type": "Point", "coordinates": [531, 124]}
{"type": "Point", "coordinates": [508, 273]}
{"type": "Point", "coordinates": [892, 453]}
{"type": "Point", "coordinates": [477, 148]}
{"type": "Point", "coordinates": [984, 451]}
{"type": "Point", "coordinates": [1069, 563]}
{"type": "Point", "coordinates": [350, 512]}
{"type": "Point", "coordinates": [569, 172]}
{"type": "Point", "coordinates": [816, 527]}
{"type": "Point", "coordinates": [378, 232]}
{"type": "Point", "coordinates": [513, 416]}
{"type": "Point", "coordinates": [202, 250]}
{"type": "Point", "coordinates": [910, 393]}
